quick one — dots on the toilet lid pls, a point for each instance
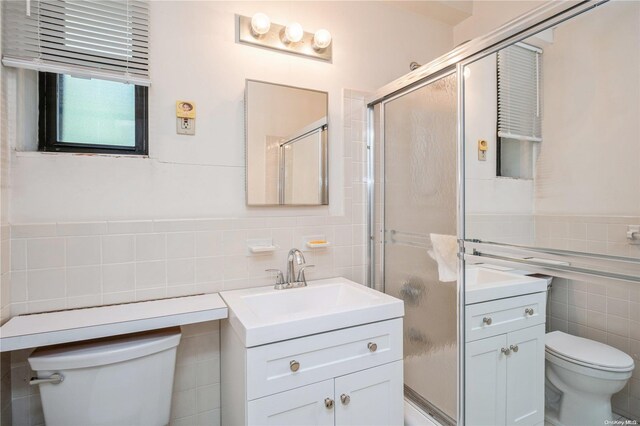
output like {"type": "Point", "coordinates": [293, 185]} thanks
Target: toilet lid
{"type": "Point", "coordinates": [585, 351]}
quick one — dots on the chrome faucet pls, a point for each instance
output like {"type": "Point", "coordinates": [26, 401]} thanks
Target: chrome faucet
{"type": "Point", "coordinates": [295, 257]}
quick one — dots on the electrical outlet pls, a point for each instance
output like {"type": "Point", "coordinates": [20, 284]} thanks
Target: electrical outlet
{"type": "Point", "coordinates": [483, 147]}
{"type": "Point", "coordinates": [186, 126]}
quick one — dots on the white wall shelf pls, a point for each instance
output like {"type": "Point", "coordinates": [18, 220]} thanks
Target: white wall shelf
{"type": "Point", "coordinates": [50, 328]}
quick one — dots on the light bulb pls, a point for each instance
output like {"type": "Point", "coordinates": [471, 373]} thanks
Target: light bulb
{"type": "Point", "coordinates": [321, 39]}
{"type": "Point", "coordinates": [260, 24]}
{"type": "Point", "coordinates": [293, 33]}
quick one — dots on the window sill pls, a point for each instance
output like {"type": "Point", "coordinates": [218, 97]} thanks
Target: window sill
{"type": "Point", "coordinates": [37, 154]}
{"type": "Point", "coordinates": [515, 178]}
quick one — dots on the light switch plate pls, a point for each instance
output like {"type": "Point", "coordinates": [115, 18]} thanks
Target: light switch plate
{"type": "Point", "coordinates": [186, 126]}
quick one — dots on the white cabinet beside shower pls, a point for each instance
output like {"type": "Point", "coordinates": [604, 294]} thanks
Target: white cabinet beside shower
{"type": "Point", "coordinates": [504, 361]}
{"type": "Point", "coordinates": [342, 377]}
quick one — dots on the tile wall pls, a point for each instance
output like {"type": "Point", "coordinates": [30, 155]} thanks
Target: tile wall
{"type": "Point", "coordinates": [62, 266]}
{"type": "Point", "coordinates": [504, 228]}
{"type": "Point", "coordinates": [72, 265]}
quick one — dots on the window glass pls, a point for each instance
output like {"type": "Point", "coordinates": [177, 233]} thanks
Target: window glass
{"type": "Point", "coordinates": [516, 158]}
{"type": "Point", "coordinates": [96, 112]}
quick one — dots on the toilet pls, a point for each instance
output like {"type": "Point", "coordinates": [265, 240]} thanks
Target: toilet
{"type": "Point", "coordinates": [581, 377]}
{"type": "Point", "coordinates": [125, 380]}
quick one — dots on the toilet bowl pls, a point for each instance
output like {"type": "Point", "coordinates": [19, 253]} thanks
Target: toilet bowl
{"type": "Point", "coordinates": [116, 381]}
{"type": "Point", "coordinates": [582, 375]}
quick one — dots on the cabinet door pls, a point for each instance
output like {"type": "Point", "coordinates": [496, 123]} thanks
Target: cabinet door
{"type": "Point", "coordinates": [304, 406]}
{"type": "Point", "coordinates": [371, 397]}
{"type": "Point", "coordinates": [525, 377]}
{"type": "Point", "coordinates": [485, 381]}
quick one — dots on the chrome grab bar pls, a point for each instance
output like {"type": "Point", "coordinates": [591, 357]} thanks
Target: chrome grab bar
{"type": "Point", "coordinates": [556, 262]}
{"type": "Point", "coordinates": [409, 239]}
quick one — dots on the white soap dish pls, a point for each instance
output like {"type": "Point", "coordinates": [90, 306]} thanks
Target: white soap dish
{"type": "Point", "coordinates": [261, 245]}
{"type": "Point", "coordinates": [318, 245]}
{"type": "Point", "coordinates": [262, 249]}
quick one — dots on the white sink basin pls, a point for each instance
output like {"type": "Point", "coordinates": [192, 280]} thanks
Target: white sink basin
{"type": "Point", "coordinates": [486, 284]}
{"type": "Point", "coordinates": [265, 315]}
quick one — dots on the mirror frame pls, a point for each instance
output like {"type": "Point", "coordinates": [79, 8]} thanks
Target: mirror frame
{"type": "Point", "coordinates": [323, 188]}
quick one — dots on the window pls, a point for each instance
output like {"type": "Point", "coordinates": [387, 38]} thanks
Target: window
{"type": "Point", "coordinates": [91, 115]}
{"type": "Point", "coordinates": [519, 110]}
{"type": "Point", "coordinates": [104, 45]}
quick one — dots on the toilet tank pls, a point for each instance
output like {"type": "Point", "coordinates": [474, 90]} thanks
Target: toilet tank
{"type": "Point", "coordinates": [125, 380]}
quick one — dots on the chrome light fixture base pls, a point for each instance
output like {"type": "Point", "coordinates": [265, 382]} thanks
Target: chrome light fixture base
{"type": "Point", "coordinates": [273, 40]}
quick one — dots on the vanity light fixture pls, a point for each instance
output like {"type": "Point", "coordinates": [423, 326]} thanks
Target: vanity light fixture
{"type": "Point", "coordinates": [258, 30]}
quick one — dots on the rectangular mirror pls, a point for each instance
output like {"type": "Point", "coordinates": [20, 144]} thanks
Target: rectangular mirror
{"type": "Point", "coordinates": [286, 143]}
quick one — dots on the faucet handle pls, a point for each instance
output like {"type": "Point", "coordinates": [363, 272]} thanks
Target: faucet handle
{"type": "Point", "coordinates": [279, 278]}
{"type": "Point", "coordinates": [301, 278]}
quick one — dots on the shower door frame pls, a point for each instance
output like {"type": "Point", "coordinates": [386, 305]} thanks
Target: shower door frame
{"type": "Point", "coordinates": [541, 18]}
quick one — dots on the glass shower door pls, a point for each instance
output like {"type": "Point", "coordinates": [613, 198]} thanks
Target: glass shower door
{"type": "Point", "coordinates": [419, 199]}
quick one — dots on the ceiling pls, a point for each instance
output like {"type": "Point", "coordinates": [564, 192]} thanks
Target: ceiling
{"type": "Point", "coordinates": [451, 12]}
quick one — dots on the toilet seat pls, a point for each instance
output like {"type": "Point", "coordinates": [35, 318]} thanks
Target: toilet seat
{"type": "Point", "coordinates": [587, 353]}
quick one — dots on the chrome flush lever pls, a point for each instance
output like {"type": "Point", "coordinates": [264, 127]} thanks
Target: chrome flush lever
{"type": "Point", "coordinates": [54, 379]}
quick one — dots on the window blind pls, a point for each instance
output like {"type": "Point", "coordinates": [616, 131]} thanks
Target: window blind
{"type": "Point", "coordinates": [519, 103]}
{"type": "Point", "coordinates": [104, 39]}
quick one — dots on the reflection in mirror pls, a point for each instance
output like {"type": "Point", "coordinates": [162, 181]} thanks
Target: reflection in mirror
{"type": "Point", "coordinates": [559, 112]}
{"type": "Point", "coordinates": [286, 142]}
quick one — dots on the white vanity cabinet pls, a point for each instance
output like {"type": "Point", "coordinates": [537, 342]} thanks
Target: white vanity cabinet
{"type": "Point", "coordinates": [351, 376]}
{"type": "Point", "coordinates": [504, 363]}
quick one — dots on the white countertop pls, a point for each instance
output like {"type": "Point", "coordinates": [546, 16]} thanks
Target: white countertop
{"type": "Point", "coordinates": [50, 328]}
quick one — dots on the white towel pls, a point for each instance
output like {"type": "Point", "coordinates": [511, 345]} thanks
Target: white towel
{"type": "Point", "coordinates": [445, 252]}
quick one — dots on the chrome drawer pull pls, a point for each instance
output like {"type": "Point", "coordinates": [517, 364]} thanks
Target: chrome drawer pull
{"type": "Point", "coordinates": [328, 402]}
{"type": "Point", "coordinates": [54, 379]}
{"type": "Point", "coordinates": [505, 351]}
{"type": "Point", "coordinates": [514, 348]}
{"type": "Point", "coordinates": [487, 320]}
{"type": "Point", "coordinates": [294, 365]}
{"type": "Point", "coordinates": [528, 311]}
{"type": "Point", "coordinates": [372, 347]}
{"type": "Point", "coordinates": [345, 399]}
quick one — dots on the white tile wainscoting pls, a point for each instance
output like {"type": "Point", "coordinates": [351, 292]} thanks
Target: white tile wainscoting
{"type": "Point", "coordinates": [63, 266]}
{"type": "Point", "coordinates": [72, 265]}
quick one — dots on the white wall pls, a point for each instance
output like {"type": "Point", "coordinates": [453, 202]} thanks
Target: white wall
{"type": "Point", "coordinates": [489, 15]}
{"type": "Point", "coordinates": [194, 56]}
{"type": "Point", "coordinates": [590, 157]}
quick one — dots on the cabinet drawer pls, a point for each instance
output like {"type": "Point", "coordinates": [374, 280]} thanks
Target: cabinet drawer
{"type": "Point", "coordinates": [321, 357]}
{"type": "Point", "coordinates": [504, 315]}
